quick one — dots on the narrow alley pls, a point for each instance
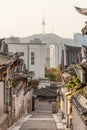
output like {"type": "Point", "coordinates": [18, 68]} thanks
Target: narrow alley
{"type": "Point", "coordinates": [40, 119]}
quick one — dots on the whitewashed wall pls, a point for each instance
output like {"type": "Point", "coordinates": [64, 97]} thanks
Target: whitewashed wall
{"type": "Point", "coordinates": [40, 59]}
{"type": "Point", "coordinates": [18, 47]}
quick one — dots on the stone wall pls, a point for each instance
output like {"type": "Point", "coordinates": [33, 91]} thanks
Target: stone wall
{"type": "Point", "coordinates": [28, 102]}
{"type": "Point", "coordinates": [19, 105]}
{"type": "Point", "coordinates": [4, 122]}
{"type": "Point", "coordinates": [79, 116]}
{"type": "Point", "coordinates": [3, 116]}
{"type": "Point", "coordinates": [1, 97]}
{"type": "Point", "coordinates": [78, 124]}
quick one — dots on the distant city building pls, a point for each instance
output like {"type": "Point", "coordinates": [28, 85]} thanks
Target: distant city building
{"type": "Point", "coordinates": [34, 55]}
{"type": "Point", "coordinates": [70, 55]}
{"type": "Point", "coordinates": [47, 56]}
{"type": "Point", "coordinates": [58, 54]}
{"type": "Point", "coordinates": [79, 39]}
{"type": "Point", "coordinates": [55, 55]}
{"type": "Point", "coordinates": [52, 56]}
{"type": "Point", "coordinates": [49, 39]}
{"type": "Point", "coordinates": [36, 40]}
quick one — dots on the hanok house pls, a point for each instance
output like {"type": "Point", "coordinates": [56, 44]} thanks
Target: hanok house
{"type": "Point", "coordinates": [19, 84]}
{"type": "Point", "coordinates": [5, 91]}
{"type": "Point", "coordinates": [66, 100]}
{"type": "Point", "coordinates": [22, 94]}
{"type": "Point", "coordinates": [28, 93]}
{"type": "Point", "coordinates": [70, 55]}
{"type": "Point", "coordinates": [46, 94]}
{"type": "Point", "coordinates": [77, 110]}
{"type": "Point", "coordinates": [5, 96]}
{"type": "Point", "coordinates": [84, 51]}
{"type": "Point", "coordinates": [79, 107]}
{"type": "Point", "coordinates": [16, 84]}
{"type": "Point", "coordinates": [66, 103]}
{"type": "Point", "coordinates": [13, 83]}
{"type": "Point", "coordinates": [28, 100]}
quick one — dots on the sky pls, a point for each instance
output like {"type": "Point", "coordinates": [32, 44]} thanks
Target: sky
{"type": "Point", "coordinates": [22, 18]}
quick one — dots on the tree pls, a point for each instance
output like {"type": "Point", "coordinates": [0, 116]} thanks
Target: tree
{"type": "Point", "coordinates": [35, 83]}
{"type": "Point", "coordinates": [54, 74]}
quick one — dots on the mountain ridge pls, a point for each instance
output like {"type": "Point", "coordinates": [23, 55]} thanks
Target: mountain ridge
{"type": "Point", "coordinates": [49, 38]}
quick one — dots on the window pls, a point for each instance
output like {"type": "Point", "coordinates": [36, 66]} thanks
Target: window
{"type": "Point", "coordinates": [32, 58]}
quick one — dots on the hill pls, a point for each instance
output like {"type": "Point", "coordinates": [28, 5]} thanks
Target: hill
{"type": "Point", "coordinates": [49, 38]}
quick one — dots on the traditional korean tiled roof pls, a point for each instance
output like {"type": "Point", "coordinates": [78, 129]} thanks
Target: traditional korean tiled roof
{"type": "Point", "coordinates": [85, 51]}
{"type": "Point", "coordinates": [84, 30]}
{"type": "Point", "coordinates": [20, 75]}
{"type": "Point", "coordinates": [27, 90]}
{"type": "Point", "coordinates": [66, 77]}
{"type": "Point", "coordinates": [84, 64]}
{"type": "Point", "coordinates": [70, 70]}
{"type": "Point", "coordinates": [72, 47]}
{"type": "Point", "coordinates": [82, 11]}
{"type": "Point", "coordinates": [19, 87]}
{"type": "Point", "coordinates": [4, 60]}
{"type": "Point", "coordinates": [81, 106]}
{"type": "Point", "coordinates": [82, 85]}
{"type": "Point", "coordinates": [85, 47]}
{"type": "Point", "coordinates": [45, 92]}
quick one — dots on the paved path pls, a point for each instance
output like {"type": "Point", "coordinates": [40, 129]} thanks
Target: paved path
{"type": "Point", "coordinates": [41, 119]}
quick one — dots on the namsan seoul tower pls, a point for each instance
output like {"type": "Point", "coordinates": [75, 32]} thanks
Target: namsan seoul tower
{"type": "Point", "coordinates": [43, 24]}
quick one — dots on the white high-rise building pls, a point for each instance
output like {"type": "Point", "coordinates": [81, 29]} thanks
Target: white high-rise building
{"type": "Point", "coordinates": [55, 55]}
{"type": "Point", "coordinates": [52, 56]}
{"type": "Point", "coordinates": [47, 56]}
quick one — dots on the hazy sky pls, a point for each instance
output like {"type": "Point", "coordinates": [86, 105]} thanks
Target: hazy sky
{"type": "Point", "coordinates": [24, 17]}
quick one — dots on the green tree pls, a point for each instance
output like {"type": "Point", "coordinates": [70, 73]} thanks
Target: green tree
{"type": "Point", "coordinates": [52, 76]}
{"type": "Point", "coordinates": [35, 83]}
